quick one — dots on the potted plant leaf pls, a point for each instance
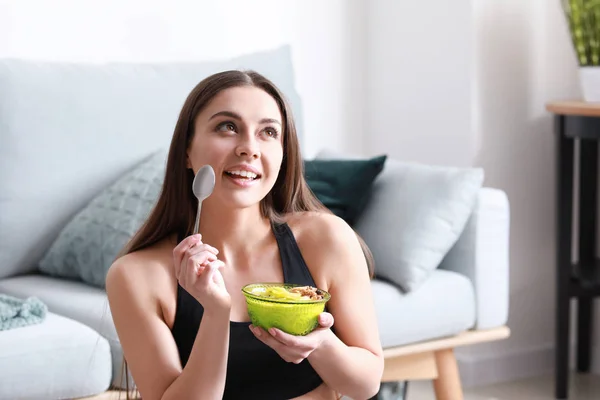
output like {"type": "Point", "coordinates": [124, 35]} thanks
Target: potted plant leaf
{"type": "Point", "coordinates": [583, 17]}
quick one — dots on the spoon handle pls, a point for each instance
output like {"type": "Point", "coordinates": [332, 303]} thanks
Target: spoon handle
{"type": "Point", "coordinates": [197, 223]}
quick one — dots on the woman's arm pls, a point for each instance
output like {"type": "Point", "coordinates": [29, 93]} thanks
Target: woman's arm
{"type": "Point", "coordinates": [352, 362]}
{"type": "Point", "coordinates": [204, 374]}
{"type": "Point", "coordinates": [148, 343]}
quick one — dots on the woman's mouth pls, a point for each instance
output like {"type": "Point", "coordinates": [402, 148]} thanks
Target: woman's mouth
{"type": "Point", "coordinates": [242, 178]}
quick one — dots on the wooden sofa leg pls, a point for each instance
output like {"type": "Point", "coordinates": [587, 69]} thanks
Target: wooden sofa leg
{"type": "Point", "coordinates": [447, 385]}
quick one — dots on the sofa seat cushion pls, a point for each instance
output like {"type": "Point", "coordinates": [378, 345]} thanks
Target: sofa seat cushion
{"type": "Point", "coordinates": [443, 306]}
{"type": "Point", "coordinates": [75, 300]}
{"type": "Point", "coordinates": [56, 359]}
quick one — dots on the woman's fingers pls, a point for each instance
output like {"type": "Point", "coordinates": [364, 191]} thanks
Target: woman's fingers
{"type": "Point", "coordinates": [190, 265]}
{"type": "Point", "coordinates": [199, 260]}
{"type": "Point", "coordinates": [216, 276]}
{"type": "Point", "coordinates": [190, 252]}
{"type": "Point", "coordinates": [213, 263]}
{"type": "Point", "coordinates": [326, 320]}
{"type": "Point", "coordinates": [180, 249]}
{"type": "Point", "coordinates": [217, 264]}
{"type": "Point", "coordinates": [185, 243]}
{"type": "Point", "coordinates": [292, 354]}
{"type": "Point", "coordinates": [188, 248]}
{"type": "Point", "coordinates": [201, 266]}
{"type": "Point", "coordinates": [207, 271]}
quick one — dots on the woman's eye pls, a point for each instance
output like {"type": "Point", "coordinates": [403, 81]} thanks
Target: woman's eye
{"type": "Point", "coordinates": [271, 132]}
{"type": "Point", "coordinates": [226, 127]}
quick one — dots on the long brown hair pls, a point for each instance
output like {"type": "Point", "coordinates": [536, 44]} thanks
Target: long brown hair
{"type": "Point", "coordinates": [174, 212]}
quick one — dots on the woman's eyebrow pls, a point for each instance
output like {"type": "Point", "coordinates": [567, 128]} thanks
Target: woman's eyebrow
{"type": "Point", "coordinates": [229, 114]}
{"type": "Point", "coordinates": [234, 115]}
{"type": "Point", "coordinates": [270, 121]}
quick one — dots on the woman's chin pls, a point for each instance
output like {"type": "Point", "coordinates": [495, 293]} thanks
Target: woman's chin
{"type": "Point", "coordinates": [241, 201]}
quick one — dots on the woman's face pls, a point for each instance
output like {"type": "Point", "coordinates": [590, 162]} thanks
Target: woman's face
{"type": "Point", "coordinates": [239, 133]}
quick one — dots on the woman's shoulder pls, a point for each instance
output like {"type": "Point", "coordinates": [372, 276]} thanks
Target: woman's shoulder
{"type": "Point", "coordinates": [324, 239]}
{"type": "Point", "coordinates": [319, 227]}
{"type": "Point", "coordinates": [145, 275]}
{"type": "Point", "coordinates": [145, 262]}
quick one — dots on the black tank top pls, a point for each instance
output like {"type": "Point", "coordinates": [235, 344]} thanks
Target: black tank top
{"type": "Point", "coordinates": [254, 370]}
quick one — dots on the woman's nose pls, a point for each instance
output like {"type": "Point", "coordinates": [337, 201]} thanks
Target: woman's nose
{"type": "Point", "coordinates": [248, 147]}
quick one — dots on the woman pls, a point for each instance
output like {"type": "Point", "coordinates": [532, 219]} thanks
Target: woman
{"type": "Point", "coordinates": [176, 297]}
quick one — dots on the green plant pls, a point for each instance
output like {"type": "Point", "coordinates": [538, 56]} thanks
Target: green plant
{"type": "Point", "coordinates": [583, 17]}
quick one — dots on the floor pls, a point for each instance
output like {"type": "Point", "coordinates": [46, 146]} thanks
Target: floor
{"type": "Point", "coordinates": [583, 387]}
{"type": "Point", "coordinates": [110, 395]}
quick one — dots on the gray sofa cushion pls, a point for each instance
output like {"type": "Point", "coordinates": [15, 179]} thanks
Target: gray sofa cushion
{"type": "Point", "coordinates": [57, 359]}
{"type": "Point", "coordinates": [68, 130]}
{"type": "Point", "coordinates": [444, 305]}
{"type": "Point", "coordinates": [89, 244]}
{"type": "Point", "coordinates": [75, 300]}
{"type": "Point", "coordinates": [414, 216]}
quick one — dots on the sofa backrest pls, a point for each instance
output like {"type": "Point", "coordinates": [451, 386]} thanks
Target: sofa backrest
{"type": "Point", "coordinates": [68, 130]}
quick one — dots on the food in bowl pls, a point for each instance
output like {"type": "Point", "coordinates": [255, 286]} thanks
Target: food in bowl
{"type": "Point", "coordinates": [292, 293]}
{"type": "Point", "coordinates": [294, 309]}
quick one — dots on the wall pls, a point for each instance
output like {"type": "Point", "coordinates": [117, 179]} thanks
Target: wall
{"type": "Point", "coordinates": [523, 59]}
{"type": "Point", "coordinates": [326, 42]}
{"type": "Point", "coordinates": [419, 70]}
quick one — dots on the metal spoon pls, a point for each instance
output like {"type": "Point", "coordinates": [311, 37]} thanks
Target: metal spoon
{"type": "Point", "coordinates": [203, 185]}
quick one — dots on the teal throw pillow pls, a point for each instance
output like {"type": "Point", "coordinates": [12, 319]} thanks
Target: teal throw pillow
{"type": "Point", "coordinates": [344, 185]}
{"type": "Point", "coordinates": [90, 242]}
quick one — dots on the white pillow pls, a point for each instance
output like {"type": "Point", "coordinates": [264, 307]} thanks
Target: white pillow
{"type": "Point", "coordinates": [415, 214]}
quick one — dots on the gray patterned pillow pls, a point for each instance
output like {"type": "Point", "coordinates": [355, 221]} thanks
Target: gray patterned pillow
{"type": "Point", "coordinates": [89, 243]}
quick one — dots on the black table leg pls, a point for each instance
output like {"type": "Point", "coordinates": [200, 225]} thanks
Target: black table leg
{"type": "Point", "coordinates": [587, 247]}
{"type": "Point", "coordinates": [564, 198]}
{"type": "Point", "coordinates": [584, 333]}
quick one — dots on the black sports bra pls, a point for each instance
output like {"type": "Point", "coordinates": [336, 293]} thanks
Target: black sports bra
{"type": "Point", "coordinates": [254, 370]}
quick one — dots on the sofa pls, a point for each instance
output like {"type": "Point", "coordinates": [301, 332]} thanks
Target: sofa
{"type": "Point", "coordinates": [69, 131]}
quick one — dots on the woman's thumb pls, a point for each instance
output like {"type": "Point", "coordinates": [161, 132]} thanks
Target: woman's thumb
{"type": "Point", "coordinates": [326, 320]}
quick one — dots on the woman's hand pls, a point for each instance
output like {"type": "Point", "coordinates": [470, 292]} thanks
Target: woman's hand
{"type": "Point", "coordinates": [197, 270]}
{"type": "Point", "coordinates": [296, 348]}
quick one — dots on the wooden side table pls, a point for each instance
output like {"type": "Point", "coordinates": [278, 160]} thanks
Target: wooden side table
{"type": "Point", "coordinates": [575, 122]}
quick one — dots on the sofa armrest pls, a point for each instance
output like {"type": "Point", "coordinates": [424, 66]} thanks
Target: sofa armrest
{"type": "Point", "coordinates": [482, 254]}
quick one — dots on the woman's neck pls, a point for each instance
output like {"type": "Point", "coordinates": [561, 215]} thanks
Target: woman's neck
{"type": "Point", "coordinates": [235, 233]}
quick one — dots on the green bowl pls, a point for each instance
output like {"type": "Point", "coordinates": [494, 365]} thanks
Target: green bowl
{"type": "Point", "coordinates": [296, 317]}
